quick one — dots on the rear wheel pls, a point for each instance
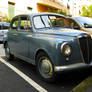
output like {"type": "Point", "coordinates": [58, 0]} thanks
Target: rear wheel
{"type": "Point", "coordinates": [45, 67]}
{"type": "Point", "coordinates": [9, 56]}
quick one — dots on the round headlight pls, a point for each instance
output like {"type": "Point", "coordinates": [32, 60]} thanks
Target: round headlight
{"type": "Point", "coordinates": [66, 49]}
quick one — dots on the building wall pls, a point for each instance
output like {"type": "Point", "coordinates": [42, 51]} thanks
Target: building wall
{"type": "Point", "coordinates": [66, 4]}
{"type": "Point", "coordinates": [27, 6]}
{"type": "Point", "coordinates": [3, 7]}
{"type": "Point", "coordinates": [76, 6]}
{"type": "Point", "coordinates": [42, 8]}
{"type": "Point", "coordinates": [21, 6]}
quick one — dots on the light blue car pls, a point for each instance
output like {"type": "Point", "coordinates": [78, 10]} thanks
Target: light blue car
{"type": "Point", "coordinates": [45, 40]}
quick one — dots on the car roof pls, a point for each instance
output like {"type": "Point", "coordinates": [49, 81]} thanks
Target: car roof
{"type": "Point", "coordinates": [35, 14]}
{"type": "Point", "coordinates": [78, 17]}
{"type": "Point", "coordinates": [46, 13]}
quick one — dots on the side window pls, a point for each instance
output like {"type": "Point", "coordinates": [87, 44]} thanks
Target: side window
{"type": "Point", "coordinates": [46, 21]}
{"type": "Point", "coordinates": [25, 24]}
{"type": "Point", "coordinates": [57, 21]}
{"type": "Point", "coordinates": [66, 22]}
{"type": "Point", "coordinates": [38, 23]}
{"type": "Point", "coordinates": [73, 24]}
{"type": "Point", "coordinates": [15, 23]}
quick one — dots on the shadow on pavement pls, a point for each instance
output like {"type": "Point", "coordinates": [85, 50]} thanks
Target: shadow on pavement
{"type": "Point", "coordinates": [1, 42]}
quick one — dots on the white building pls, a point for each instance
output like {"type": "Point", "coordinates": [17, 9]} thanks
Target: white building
{"type": "Point", "coordinates": [11, 8]}
{"type": "Point", "coordinates": [66, 3]}
{"type": "Point", "coordinates": [14, 7]}
{"type": "Point", "coordinates": [76, 6]}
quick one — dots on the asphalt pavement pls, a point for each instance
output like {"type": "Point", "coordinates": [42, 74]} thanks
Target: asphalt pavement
{"type": "Point", "coordinates": [10, 81]}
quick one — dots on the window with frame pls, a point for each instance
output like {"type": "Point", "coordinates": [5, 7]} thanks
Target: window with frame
{"type": "Point", "coordinates": [57, 21]}
{"type": "Point", "coordinates": [73, 24]}
{"type": "Point", "coordinates": [50, 21]}
{"type": "Point", "coordinates": [25, 23]}
{"type": "Point", "coordinates": [46, 21]}
{"type": "Point", "coordinates": [38, 23]}
{"type": "Point", "coordinates": [15, 24]}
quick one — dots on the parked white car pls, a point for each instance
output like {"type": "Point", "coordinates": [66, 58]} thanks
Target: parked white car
{"type": "Point", "coordinates": [3, 30]}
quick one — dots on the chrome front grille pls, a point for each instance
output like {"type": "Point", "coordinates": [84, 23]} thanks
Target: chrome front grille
{"type": "Point", "coordinates": [85, 46]}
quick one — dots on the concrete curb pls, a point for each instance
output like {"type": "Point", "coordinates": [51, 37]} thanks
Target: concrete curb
{"type": "Point", "coordinates": [83, 85]}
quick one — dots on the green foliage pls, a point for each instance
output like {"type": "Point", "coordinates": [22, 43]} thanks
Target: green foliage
{"type": "Point", "coordinates": [5, 18]}
{"type": "Point", "coordinates": [84, 85]}
{"type": "Point", "coordinates": [57, 11]}
{"type": "Point", "coordinates": [87, 11]}
{"type": "Point", "coordinates": [62, 12]}
{"type": "Point", "coordinates": [8, 19]}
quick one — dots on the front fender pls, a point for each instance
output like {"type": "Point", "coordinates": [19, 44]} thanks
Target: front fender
{"type": "Point", "coordinates": [53, 49]}
{"type": "Point", "coordinates": [52, 46]}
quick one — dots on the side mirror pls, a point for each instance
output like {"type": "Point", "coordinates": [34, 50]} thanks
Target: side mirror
{"type": "Point", "coordinates": [86, 25]}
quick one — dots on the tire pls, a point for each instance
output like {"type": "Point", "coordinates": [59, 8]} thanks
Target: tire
{"type": "Point", "coordinates": [8, 55]}
{"type": "Point", "coordinates": [45, 67]}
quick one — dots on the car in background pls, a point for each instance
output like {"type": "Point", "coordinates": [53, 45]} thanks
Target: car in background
{"type": "Point", "coordinates": [81, 23]}
{"type": "Point", "coordinates": [45, 40]}
{"type": "Point", "coordinates": [3, 30]}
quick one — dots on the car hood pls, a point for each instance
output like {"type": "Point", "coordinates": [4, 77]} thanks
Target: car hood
{"type": "Point", "coordinates": [65, 32]}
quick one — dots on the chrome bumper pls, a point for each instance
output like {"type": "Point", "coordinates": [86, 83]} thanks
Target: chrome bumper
{"type": "Point", "coordinates": [71, 67]}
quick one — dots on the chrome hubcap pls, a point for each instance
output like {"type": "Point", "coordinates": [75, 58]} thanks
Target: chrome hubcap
{"type": "Point", "coordinates": [46, 67]}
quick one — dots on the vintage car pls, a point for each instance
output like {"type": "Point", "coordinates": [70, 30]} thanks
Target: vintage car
{"type": "Point", "coordinates": [44, 40]}
{"type": "Point", "coordinates": [3, 30]}
{"type": "Point", "coordinates": [81, 23]}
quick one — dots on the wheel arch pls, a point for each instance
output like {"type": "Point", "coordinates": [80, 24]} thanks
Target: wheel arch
{"type": "Point", "coordinates": [38, 52]}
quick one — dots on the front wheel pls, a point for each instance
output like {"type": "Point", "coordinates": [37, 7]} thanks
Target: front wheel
{"type": "Point", "coordinates": [9, 56]}
{"type": "Point", "coordinates": [45, 67]}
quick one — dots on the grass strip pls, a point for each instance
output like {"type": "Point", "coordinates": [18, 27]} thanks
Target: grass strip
{"type": "Point", "coordinates": [83, 85]}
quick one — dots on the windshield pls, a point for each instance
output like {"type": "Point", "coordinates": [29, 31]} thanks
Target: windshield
{"type": "Point", "coordinates": [85, 21]}
{"type": "Point", "coordinates": [46, 21]}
